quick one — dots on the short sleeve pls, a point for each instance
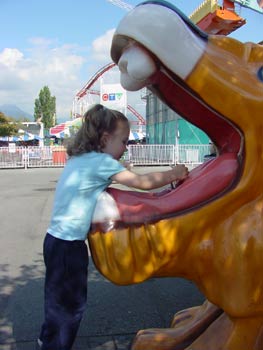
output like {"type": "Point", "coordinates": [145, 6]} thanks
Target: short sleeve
{"type": "Point", "coordinates": [108, 167]}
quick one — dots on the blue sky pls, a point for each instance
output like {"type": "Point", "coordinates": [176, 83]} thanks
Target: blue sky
{"type": "Point", "coordinates": [62, 43]}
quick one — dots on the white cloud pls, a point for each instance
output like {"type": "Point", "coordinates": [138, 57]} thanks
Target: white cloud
{"type": "Point", "coordinates": [65, 69]}
{"type": "Point", "coordinates": [41, 42]}
{"type": "Point", "coordinates": [101, 47]}
{"type": "Point", "coordinates": [10, 57]}
{"type": "Point", "coordinates": [22, 75]}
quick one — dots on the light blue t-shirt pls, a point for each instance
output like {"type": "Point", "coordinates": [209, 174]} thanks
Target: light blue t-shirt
{"type": "Point", "coordinates": [82, 180]}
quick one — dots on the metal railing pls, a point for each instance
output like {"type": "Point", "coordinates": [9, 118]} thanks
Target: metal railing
{"type": "Point", "coordinates": [12, 157]}
{"type": "Point", "coordinates": [166, 154]}
{"type": "Point", "coordinates": [140, 155]}
{"type": "Point", "coordinates": [32, 157]}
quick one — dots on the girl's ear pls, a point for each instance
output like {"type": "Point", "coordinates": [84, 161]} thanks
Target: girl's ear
{"type": "Point", "coordinates": [103, 140]}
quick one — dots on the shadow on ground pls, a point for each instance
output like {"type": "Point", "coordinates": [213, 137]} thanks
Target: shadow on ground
{"type": "Point", "coordinates": [114, 313]}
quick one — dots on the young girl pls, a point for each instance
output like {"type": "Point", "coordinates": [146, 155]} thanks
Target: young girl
{"type": "Point", "coordinates": [92, 166]}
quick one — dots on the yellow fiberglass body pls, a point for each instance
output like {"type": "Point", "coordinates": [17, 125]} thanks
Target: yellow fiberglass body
{"type": "Point", "coordinates": [210, 229]}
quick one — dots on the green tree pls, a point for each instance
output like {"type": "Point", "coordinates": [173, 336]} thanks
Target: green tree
{"type": "Point", "coordinates": [7, 126]}
{"type": "Point", "coordinates": [45, 108]}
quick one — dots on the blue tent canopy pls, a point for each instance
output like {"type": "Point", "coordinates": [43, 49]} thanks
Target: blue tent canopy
{"type": "Point", "coordinates": [24, 137]}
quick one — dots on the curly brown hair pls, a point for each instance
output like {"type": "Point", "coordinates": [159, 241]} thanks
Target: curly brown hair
{"type": "Point", "coordinates": [96, 121]}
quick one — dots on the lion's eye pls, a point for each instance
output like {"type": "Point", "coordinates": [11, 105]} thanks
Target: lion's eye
{"type": "Point", "coordinates": [260, 73]}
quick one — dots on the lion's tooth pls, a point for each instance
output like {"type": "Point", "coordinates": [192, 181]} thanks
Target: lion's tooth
{"type": "Point", "coordinates": [136, 67]}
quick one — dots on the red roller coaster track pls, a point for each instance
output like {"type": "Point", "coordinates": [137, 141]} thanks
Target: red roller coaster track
{"type": "Point", "coordinates": [87, 90]}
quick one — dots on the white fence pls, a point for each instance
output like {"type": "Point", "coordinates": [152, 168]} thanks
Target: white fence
{"type": "Point", "coordinates": [143, 155]}
{"type": "Point", "coordinates": [32, 157]}
{"type": "Point", "coordinates": [167, 154]}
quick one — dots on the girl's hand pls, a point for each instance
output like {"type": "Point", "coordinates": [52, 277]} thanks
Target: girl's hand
{"type": "Point", "coordinates": [127, 165]}
{"type": "Point", "coordinates": [180, 172]}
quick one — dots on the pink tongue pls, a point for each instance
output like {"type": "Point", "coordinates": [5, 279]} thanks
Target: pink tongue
{"type": "Point", "coordinates": [204, 182]}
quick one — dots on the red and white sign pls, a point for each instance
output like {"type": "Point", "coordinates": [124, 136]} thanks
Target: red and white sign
{"type": "Point", "coordinates": [105, 97]}
{"type": "Point", "coordinates": [113, 96]}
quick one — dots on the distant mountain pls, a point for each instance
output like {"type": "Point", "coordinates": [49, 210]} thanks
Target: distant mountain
{"type": "Point", "coordinates": [15, 112]}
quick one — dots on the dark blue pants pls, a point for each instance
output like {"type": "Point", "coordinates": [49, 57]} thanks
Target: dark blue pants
{"type": "Point", "coordinates": [65, 291]}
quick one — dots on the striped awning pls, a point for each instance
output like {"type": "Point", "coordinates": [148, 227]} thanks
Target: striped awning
{"type": "Point", "coordinates": [63, 130]}
{"type": "Point", "coordinates": [57, 129]}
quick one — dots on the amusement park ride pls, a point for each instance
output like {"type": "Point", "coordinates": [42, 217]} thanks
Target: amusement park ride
{"type": "Point", "coordinates": [209, 16]}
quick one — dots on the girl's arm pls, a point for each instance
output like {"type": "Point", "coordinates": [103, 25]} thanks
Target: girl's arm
{"type": "Point", "coordinates": [151, 180]}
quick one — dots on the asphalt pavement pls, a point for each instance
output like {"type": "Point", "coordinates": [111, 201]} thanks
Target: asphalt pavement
{"type": "Point", "coordinates": [114, 313]}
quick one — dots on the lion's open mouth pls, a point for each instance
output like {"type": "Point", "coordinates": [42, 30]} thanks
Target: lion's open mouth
{"type": "Point", "coordinates": [143, 54]}
{"type": "Point", "coordinates": [206, 182]}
